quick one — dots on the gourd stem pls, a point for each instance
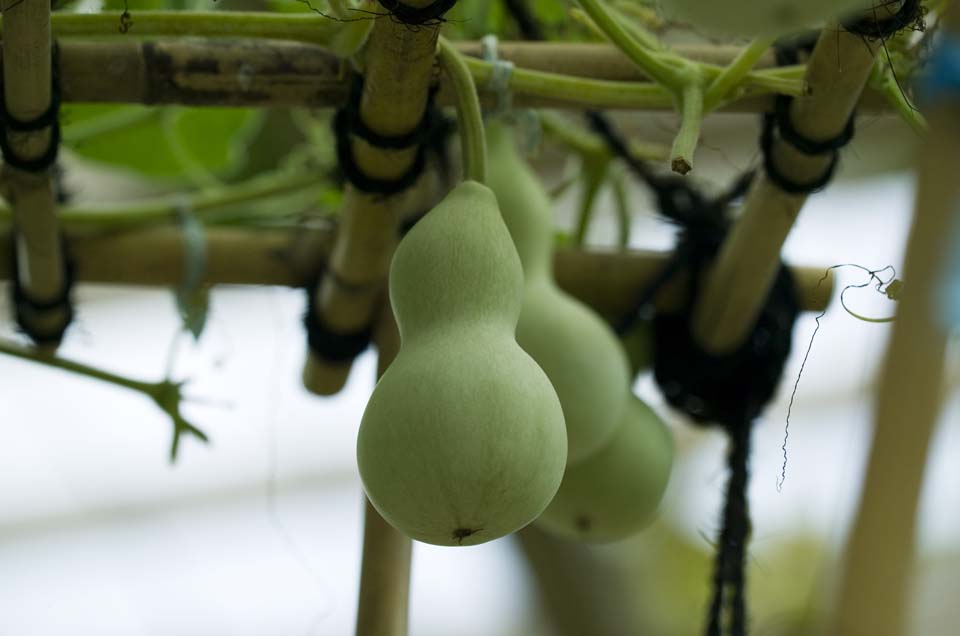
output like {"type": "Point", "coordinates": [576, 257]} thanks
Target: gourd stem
{"type": "Point", "coordinates": [472, 140]}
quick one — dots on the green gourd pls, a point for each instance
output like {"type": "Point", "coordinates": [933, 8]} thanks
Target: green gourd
{"type": "Point", "coordinates": [577, 350]}
{"type": "Point", "coordinates": [463, 439]}
{"type": "Point", "coordinates": [615, 492]}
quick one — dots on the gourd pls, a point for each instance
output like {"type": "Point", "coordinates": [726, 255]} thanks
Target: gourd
{"type": "Point", "coordinates": [463, 439]}
{"type": "Point", "coordinates": [758, 17]}
{"type": "Point", "coordinates": [577, 350]}
{"type": "Point", "coordinates": [615, 493]}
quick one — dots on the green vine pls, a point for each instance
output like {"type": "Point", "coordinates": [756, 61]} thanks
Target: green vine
{"type": "Point", "coordinates": [166, 394]}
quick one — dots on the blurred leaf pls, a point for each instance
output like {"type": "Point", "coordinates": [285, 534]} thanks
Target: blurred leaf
{"type": "Point", "coordinates": [136, 5]}
{"type": "Point", "coordinates": [550, 11]}
{"type": "Point", "coordinates": [193, 306]}
{"type": "Point", "coordinates": [135, 138]}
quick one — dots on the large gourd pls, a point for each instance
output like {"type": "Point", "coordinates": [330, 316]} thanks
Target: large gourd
{"type": "Point", "coordinates": [463, 439]}
{"type": "Point", "coordinates": [577, 350]}
{"type": "Point", "coordinates": [759, 17]}
{"type": "Point", "coordinates": [616, 492]}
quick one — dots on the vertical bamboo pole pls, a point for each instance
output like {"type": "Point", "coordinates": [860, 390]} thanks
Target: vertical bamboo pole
{"type": "Point", "coordinates": [736, 287]}
{"type": "Point", "coordinates": [26, 77]}
{"type": "Point", "coordinates": [875, 588]}
{"type": "Point", "coordinates": [385, 569]}
{"type": "Point", "coordinates": [398, 70]}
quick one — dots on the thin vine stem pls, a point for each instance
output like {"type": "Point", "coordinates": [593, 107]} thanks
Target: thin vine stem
{"type": "Point", "coordinates": [166, 208]}
{"type": "Point", "coordinates": [651, 64]}
{"type": "Point", "coordinates": [472, 139]}
{"type": "Point", "coordinates": [691, 119]}
{"type": "Point", "coordinates": [723, 85]}
{"type": "Point", "coordinates": [166, 394]}
{"type": "Point", "coordinates": [26, 353]}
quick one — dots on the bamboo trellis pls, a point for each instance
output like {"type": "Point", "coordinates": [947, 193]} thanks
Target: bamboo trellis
{"type": "Point", "coordinates": [226, 67]}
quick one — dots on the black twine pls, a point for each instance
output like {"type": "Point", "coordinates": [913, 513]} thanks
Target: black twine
{"type": "Point", "coordinates": [418, 16]}
{"type": "Point", "coordinates": [49, 119]}
{"type": "Point", "coordinates": [731, 389]}
{"type": "Point", "coordinates": [26, 307]}
{"type": "Point", "coordinates": [429, 133]}
{"type": "Point", "coordinates": [778, 124]}
{"type": "Point", "coordinates": [325, 342]}
{"type": "Point", "coordinates": [872, 27]}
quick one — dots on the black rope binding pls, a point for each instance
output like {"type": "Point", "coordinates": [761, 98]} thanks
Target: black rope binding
{"type": "Point", "coordinates": [50, 118]}
{"type": "Point", "coordinates": [779, 125]}
{"type": "Point", "coordinates": [872, 27]}
{"type": "Point", "coordinates": [430, 131]}
{"type": "Point", "coordinates": [324, 342]}
{"type": "Point", "coordinates": [26, 307]}
{"type": "Point", "coordinates": [413, 16]}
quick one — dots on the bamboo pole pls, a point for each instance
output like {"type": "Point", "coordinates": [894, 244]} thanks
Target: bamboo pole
{"type": "Point", "coordinates": [736, 287]}
{"type": "Point", "coordinates": [382, 608]}
{"type": "Point", "coordinates": [399, 62]}
{"type": "Point", "coordinates": [281, 74]}
{"type": "Point", "coordinates": [875, 592]}
{"type": "Point", "coordinates": [607, 280]}
{"type": "Point", "coordinates": [27, 87]}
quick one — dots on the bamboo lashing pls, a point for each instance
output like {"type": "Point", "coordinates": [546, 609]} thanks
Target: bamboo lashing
{"type": "Point", "coordinates": [737, 285]}
{"type": "Point", "coordinates": [399, 62]}
{"type": "Point", "coordinates": [27, 87]}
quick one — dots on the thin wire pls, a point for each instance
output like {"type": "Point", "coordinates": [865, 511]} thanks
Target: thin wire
{"type": "Point", "coordinates": [880, 288]}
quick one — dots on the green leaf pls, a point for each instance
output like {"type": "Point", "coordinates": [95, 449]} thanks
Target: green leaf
{"type": "Point", "coordinates": [137, 138]}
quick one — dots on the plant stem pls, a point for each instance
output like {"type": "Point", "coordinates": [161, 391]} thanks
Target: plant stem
{"type": "Point", "coordinates": [722, 85]}
{"type": "Point", "coordinates": [621, 205]}
{"type": "Point", "coordinates": [691, 113]}
{"type": "Point", "coordinates": [594, 172]}
{"type": "Point", "coordinates": [26, 353]}
{"type": "Point", "coordinates": [650, 63]}
{"type": "Point", "coordinates": [166, 208]}
{"type": "Point", "coordinates": [585, 143]}
{"type": "Point", "coordinates": [579, 90]}
{"type": "Point", "coordinates": [472, 139]}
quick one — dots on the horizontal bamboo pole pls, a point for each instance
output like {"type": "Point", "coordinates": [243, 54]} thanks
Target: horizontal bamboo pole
{"type": "Point", "coordinates": [27, 89]}
{"type": "Point", "coordinates": [607, 280]}
{"type": "Point", "coordinates": [737, 286]}
{"type": "Point", "coordinates": [281, 74]}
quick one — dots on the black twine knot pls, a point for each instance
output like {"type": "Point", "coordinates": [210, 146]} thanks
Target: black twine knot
{"type": "Point", "coordinates": [430, 133]}
{"type": "Point", "coordinates": [26, 308]}
{"type": "Point", "coordinates": [872, 27]}
{"type": "Point", "coordinates": [778, 124]}
{"type": "Point", "coordinates": [48, 119]}
{"type": "Point", "coordinates": [324, 341]}
{"type": "Point", "coordinates": [729, 390]}
{"type": "Point", "coordinates": [418, 16]}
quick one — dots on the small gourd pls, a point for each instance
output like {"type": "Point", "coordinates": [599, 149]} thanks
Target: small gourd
{"type": "Point", "coordinates": [463, 439]}
{"type": "Point", "coordinates": [616, 492]}
{"type": "Point", "coordinates": [577, 350]}
{"type": "Point", "coordinates": [758, 17]}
